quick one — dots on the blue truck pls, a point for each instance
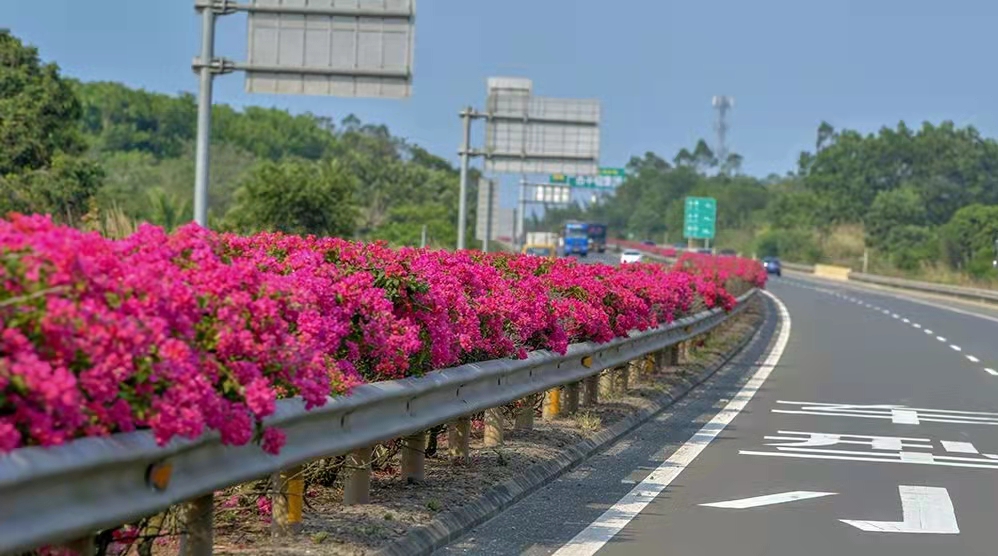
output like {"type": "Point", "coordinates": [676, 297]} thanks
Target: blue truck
{"type": "Point", "coordinates": [576, 239]}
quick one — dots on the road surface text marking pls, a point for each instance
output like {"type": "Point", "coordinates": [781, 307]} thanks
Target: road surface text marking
{"type": "Point", "coordinates": [923, 510]}
{"type": "Point", "coordinates": [606, 526]}
{"type": "Point", "coordinates": [769, 499]}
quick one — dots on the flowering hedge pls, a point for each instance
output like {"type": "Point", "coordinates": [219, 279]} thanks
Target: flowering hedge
{"type": "Point", "coordinates": [195, 330]}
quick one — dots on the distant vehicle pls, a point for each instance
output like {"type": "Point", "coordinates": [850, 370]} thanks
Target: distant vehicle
{"type": "Point", "coordinates": [548, 251]}
{"type": "Point", "coordinates": [728, 253]}
{"type": "Point", "coordinates": [773, 266]}
{"type": "Point", "coordinates": [630, 256]}
{"type": "Point", "coordinates": [597, 237]}
{"type": "Point", "coordinates": [648, 242]}
{"type": "Point", "coordinates": [705, 251]}
{"type": "Point", "coordinates": [576, 238]}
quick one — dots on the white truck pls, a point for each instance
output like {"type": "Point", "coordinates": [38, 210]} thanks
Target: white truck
{"type": "Point", "coordinates": [542, 238]}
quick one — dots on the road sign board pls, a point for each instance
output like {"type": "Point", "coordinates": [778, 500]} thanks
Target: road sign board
{"type": "Point", "coordinates": [700, 218]}
{"type": "Point", "coordinates": [525, 134]}
{"type": "Point", "coordinates": [607, 178]}
{"type": "Point", "coordinates": [349, 50]}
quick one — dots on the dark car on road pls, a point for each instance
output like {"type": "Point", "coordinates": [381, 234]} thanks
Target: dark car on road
{"type": "Point", "coordinates": [773, 266]}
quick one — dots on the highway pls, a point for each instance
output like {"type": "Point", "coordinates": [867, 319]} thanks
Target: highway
{"type": "Point", "coordinates": [857, 422]}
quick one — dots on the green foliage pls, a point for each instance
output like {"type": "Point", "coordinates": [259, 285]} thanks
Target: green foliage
{"type": "Point", "coordinates": [792, 245]}
{"type": "Point", "coordinates": [910, 246]}
{"type": "Point", "coordinates": [64, 189]}
{"type": "Point", "coordinates": [295, 196]}
{"type": "Point", "coordinates": [38, 110]}
{"type": "Point", "coordinates": [892, 210]}
{"type": "Point", "coordinates": [969, 238]}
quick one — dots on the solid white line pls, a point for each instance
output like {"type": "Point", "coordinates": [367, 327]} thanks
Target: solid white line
{"type": "Point", "coordinates": [769, 499]}
{"type": "Point", "coordinates": [606, 526]}
{"type": "Point", "coordinates": [923, 510]}
{"type": "Point", "coordinates": [992, 372]}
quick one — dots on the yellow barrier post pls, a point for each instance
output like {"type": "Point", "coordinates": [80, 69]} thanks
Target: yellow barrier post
{"type": "Point", "coordinates": [286, 501]}
{"type": "Point", "coordinates": [552, 404]}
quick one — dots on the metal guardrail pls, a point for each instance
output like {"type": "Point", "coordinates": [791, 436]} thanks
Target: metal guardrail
{"type": "Point", "coordinates": [961, 292]}
{"type": "Point", "coordinates": [54, 495]}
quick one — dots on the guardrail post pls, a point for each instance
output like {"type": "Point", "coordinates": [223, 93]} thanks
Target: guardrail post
{"type": "Point", "coordinates": [493, 426]}
{"type": "Point", "coordinates": [459, 439]}
{"type": "Point", "coordinates": [606, 384]}
{"type": "Point", "coordinates": [620, 374]}
{"type": "Point", "coordinates": [672, 356]}
{"type": "Point", "coordinates": [590, 396]}
{"type": "Point", "coordinates": [525, 414]}
{"type": "Point", "coordinates": [634, 371]}
{"type": "Point", "coordinates": [414, 458]}
{"type": "Point", "coordinates": [571, 399]}
{"type": "Point", "coordinates": [357, 484]}
{"type": "Point", "coordinates": [286, 501]}
{"type": "Point", "coordinates": [198, 537]}
{"type": "Point", "coordinates": [552, 404]}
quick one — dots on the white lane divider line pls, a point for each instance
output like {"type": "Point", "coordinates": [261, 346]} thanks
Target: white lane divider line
{"type": "Point", "coordinates": [956, 347]}
{"type": "Point", "coordinates": [895, 316]}
{"type": "Point", "coordinates": [906, 321]}
{"type": "Point", "coordinates": [973, 359]}
{"type": "Point", "coordinates": [991, 372]}
{"type": "Point", "coordinates": [940, 338]}
{"type": "Point", "coordinates": [916, 325]}
{"type": "Point", "coordinates": [929, 332]}
{"type": "Point", "coordinates": [591, 539]}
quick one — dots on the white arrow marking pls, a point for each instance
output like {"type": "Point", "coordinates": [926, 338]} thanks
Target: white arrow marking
{"type": "Point", "coordinates": [923, 510]}
{"type": "Point", "coordinates": [769, 499]}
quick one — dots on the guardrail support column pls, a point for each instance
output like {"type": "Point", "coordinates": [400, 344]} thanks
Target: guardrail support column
{"type": "Point", "coordinates": [672, 356]}
{"type": "Point", "coordinates": [606, 384]}
{"type": "Point", "coordinates": [286, 502]}
{"type": "Point", "coordinates": [552, 404]}
{"type": "Point", "coordinates": [590, 396]}
{"type": "Point", "coordinates": [525, 414]}
{"type": "Point", "coordinates": [634, 371]}
{"type": "Point", "coordinates": [571, 399]}
{"type": "Point", "coordinates": [357, 484]}
{"type": "Point", "coordinates": [198, 537]}
{"type": "Point", "coordinates": [620, 374]}
{"type": "Point", "coordinates": [414, 458]}
{"type": "Point", "coordinates": [458, 439]}
{"type": "Point", "coordinates": [493, 426]}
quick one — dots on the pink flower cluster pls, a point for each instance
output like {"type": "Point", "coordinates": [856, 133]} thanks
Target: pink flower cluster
{"type": "Point", "coordinates": [193, 331]}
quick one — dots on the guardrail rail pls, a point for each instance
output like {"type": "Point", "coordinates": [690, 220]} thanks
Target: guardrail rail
{"type": "Point", "coordinates": [59, 495]}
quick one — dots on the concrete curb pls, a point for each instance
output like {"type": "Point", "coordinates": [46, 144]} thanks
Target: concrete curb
{"type": "Point", "coordinates": [452, 525]}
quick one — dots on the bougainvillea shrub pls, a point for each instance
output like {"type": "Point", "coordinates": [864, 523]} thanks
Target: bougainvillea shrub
{"type": "Point", "coordinates": [194, 331]}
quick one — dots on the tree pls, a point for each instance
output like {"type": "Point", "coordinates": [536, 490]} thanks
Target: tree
{"type": "Point", "coordinates": [891, 210]}
{"type": "Point", "coordinates": [64, 189]}
{"type": "Point", "coordinates": [968, 239]}
{"type": "Point", "coordinates": [297, 197]}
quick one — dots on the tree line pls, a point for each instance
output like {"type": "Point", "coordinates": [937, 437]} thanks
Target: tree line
{"type": "Point", "coordinates": [107, 156]}
{"type": "Point", "coordinates": [916, 200]}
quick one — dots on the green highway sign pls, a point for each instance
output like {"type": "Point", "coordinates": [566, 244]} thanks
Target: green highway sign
{"type": "Point", "coordinates": [700, 218]}
{"type": "Point", "coordinates": [607, 178]}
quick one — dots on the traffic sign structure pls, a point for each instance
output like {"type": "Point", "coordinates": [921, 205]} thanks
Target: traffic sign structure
{"type": "Point", "coordinates": [608, 178]}
{"type": "Point", "coordinates": [700, 218]}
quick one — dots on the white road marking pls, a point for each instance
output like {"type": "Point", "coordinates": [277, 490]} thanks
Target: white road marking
{"type": "Point", "coordinates": [940, 338]}
{"type": "Point", "coordinates": [929, 332]}
{"type": "Point", "coordinates": [606, 526]}
{"type": "Point", "coordinates": [992, 372]}
{"type": "Point", "coordinates": [895, 315]}
{"type": "Point", "coordinates": [923, 510]}
{"type": "Point", "coordinates": [916, 325]}
{"type": "Point", "coordinates": [906, 321]}
{"type": "Point", "coordinates": [973, 359]}
{"type": "Point", "coordinates": [904, 417]}
{"type": "Point", "coordinates": [956, 348]}
{"type": "Point", "coordinates": [769, 499]}
{"type": "Point", "coordinates": [958, 447]}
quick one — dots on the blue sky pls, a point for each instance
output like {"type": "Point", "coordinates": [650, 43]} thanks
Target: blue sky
{"type": "Point", "coordinates": [654, 64]}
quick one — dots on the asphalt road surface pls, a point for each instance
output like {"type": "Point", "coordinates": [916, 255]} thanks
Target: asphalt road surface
{"type": "Point", "coordinates": [858, 423]}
